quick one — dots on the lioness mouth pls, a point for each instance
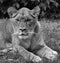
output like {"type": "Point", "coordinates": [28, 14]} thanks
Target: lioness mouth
{"type": "Point", "coordinates": [24, 34]}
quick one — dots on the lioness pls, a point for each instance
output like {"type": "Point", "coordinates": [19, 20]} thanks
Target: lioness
{"type": "Point", "coordinates": [23, 31]}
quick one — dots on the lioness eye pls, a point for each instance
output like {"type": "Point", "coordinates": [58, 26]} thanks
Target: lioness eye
{"type": "Point", "coordinates": [30, 24]}
{"type": "Point", "coordinates": [17, 19]}
{"type": "Point", "coordinates": [28, 20]}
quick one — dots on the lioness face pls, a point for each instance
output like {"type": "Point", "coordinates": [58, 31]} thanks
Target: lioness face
{"type": "Point", "coordinates": [23, 22]}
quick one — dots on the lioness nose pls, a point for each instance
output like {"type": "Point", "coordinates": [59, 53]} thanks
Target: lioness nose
{"type": "Point", "coordinates": [23, 29]}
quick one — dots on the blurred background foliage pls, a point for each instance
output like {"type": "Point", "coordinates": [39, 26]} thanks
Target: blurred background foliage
{"type": "Point", "coordinates": [49, 8]}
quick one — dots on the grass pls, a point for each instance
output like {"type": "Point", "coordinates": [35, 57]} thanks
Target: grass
{"type": "Point", "coordinates": [11, 58]}
{"type": "Point", "coordinates": [51, 30]}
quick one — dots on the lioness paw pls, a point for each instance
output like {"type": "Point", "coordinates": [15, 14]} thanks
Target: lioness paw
{"type": "Point", "coordinates": [37, 59]}
{"type": "Point", "coordinates": [52, 55]}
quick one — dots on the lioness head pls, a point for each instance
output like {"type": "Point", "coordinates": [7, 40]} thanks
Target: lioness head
{"type": "Point", "coordinates": [24, 21]}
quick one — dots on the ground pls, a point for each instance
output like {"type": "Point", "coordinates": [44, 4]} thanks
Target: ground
{"type": "Point", "coordinates": [51, 30]}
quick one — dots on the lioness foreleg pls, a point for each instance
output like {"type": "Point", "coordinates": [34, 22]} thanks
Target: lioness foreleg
{"type": "Point", "coordinates": [28, 56]}
{"type": "Point", "coordinates": [48, 53]}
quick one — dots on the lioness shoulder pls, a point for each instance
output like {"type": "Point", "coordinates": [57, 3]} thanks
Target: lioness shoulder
{"type": "Point", "coordinates": [4, 32]}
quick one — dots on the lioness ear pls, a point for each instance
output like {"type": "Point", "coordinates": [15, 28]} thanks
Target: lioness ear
{"type": "Point", "coordinates": [11, 11]}
{"type": "Point", "coordinates": [36, 11]}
